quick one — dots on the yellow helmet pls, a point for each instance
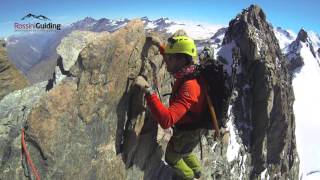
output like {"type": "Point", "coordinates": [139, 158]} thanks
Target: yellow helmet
{"type": "Point", "coordinates": [181, 44]}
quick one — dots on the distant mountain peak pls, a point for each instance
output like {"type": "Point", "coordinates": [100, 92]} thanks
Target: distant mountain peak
{"type": "Point", "coordinates": [88, 19]}
{"type": "Point", "coordinates": [145, 19]}
{"type": "Point", "coordinates": [163, 18]}
{"type": "Point", "coordinates": [85, 21]}
{"type": "Point", "coordinates": [284, 36]}
{"type": "Point", "coordinates": [293, 51]}
{"type": "Point", "coordinates": [287, 33]}
{"type": "Point", "coordinates": [302, 35]}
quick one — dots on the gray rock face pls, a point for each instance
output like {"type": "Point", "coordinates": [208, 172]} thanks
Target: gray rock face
{"type": "Point", "coordinates": [264, 108]}
{"type": "Point", "coordinates": [14, 111]}
{"type": "Point", "coordinates": [96, 125]}
{"type": "Point", "coordinates": [302, 35]}
{"type": "Point", "coordinates": [293, 55]}
{"type": "Point", "coordinates": [295, 63]}
{"type": "Point", "coordinates": [70, 46]}
{"type": "Point", "coordinates": [68, 51]}
{"type": "Point", "coordinates": [215, 38]}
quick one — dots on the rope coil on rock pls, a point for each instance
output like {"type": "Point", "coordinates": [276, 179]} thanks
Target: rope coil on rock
{"type": "Point", "coordinates": [26, 153]}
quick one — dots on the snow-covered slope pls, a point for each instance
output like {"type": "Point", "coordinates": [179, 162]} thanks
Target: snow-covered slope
{"type": "Point", "coordinates": [217, 38]}
{"type": "Point", "coordinates": [293, 50]}
{"type": "Point", "coordinates": [195, 30]}
{"type": "Point", "coordinates": [285, 37]}
{"type": "Point", "coordinates": [315, 39]}
{"type": "Point", "coordinates": [306, 84]}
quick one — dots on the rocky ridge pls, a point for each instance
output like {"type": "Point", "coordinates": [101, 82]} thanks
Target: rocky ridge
{"type": "Point", "coordinates": [10, 77]}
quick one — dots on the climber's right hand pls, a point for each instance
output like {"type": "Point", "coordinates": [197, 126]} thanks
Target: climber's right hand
{"type": "Point", "coordinates": [154, 40]}
{"type": "Point", "coordinates": [141, 82]}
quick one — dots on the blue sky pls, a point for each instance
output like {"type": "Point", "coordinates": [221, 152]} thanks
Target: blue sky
{"type": "Point", "coordinates": [289, 14]}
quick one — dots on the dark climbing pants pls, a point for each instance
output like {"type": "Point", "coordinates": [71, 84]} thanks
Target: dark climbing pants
{"type": "Point", "coordinates": [179, 153]}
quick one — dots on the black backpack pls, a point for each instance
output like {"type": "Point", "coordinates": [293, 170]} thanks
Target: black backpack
{"type": "Point", "coordinates": [213, 75]}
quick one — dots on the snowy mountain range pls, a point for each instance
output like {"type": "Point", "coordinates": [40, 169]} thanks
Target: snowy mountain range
{"type": "Point", "coordinates": [30, 51]}
{"type": "Point", "coordinates": [36, 52]}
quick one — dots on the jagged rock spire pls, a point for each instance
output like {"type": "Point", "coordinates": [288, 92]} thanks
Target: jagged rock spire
{"type": "Point", "coordinates": [265, 96]}
{"type": "Point", "coordinates": [251, 31]}
{"type": "Point", "coordinates": [293, 50]}
{"type": "Point", "coordinates": [302, 35]}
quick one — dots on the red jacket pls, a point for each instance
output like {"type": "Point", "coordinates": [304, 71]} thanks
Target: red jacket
{"type": "Point", "coordinates": [190, 97]}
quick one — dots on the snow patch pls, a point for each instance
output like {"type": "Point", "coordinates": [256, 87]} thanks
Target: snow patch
{"type": "Point", "coordinates": [285, 37]}
{"type": "Point", "coordinates": [278, 64]}
{"type": "Point", "coordinates": [92, 24]}
{"type": "Point", "coordinates": [195, 30]}
{"type": "Point", "coordinates": [214, 146]}
{"type": "Point", "coordinates": [167, 21]}
{"type": "Point", "coordinates": [120, 26]}
{"type": "Point", "coordinates": [113, 23]}
{"type": "Point", "coordinates": [243, 166]}
{"type": "Point", "coordinates": [226, 52]}
{"type": "Point", "coordinates": [233, 146]}
{"type": "Point", "coordinates": [217, 40]}
{"type": "Point", "coordinates": [263, 175]}
{"type": "Point", "coordinates": [150, 25]}
{"type": "Point", "coordinates": [315, 39]}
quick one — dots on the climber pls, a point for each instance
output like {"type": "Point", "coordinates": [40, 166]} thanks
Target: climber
{"type": "Point", "coordinates": [185, 106]}
{"type": "Point", "coordinates": [206, 55]}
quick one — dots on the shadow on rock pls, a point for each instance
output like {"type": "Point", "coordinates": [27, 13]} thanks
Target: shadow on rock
{"type": "Point", "coordinates": [136, 135]}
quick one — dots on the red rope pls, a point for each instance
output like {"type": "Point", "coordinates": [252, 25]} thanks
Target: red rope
{"type": "Point", "coordinates": [29, 161]}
